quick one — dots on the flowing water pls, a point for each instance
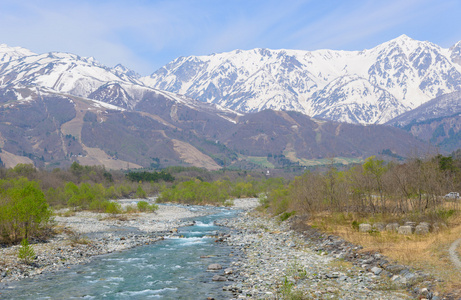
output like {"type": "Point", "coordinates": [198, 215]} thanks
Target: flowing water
{"type": "Point", "coordinates": [168, 269]}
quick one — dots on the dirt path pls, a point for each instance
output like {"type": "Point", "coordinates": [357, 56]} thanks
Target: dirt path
{"type": "Point", "coordinates": [453, 256]}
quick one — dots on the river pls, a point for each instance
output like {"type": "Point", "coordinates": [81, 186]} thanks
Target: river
{"type": "Point", "coordinates": [168, 269]}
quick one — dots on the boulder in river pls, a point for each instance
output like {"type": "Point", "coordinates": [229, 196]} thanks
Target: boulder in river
{"type": "Point", "coordinates": [219, 278]}
{"type": "Point", "coordinates": [214, 267]}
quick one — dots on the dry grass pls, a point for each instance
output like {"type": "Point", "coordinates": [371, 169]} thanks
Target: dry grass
{"type": "Point", "coordinates": [192, 155]}
{"type": "Point", "coordinates": [425, 252]}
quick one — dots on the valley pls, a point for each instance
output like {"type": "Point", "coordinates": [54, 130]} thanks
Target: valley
{"type": "Point", "coordinates": [279, 150]}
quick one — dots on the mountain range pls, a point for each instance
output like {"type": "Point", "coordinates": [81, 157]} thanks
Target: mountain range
{"type": "Point", "coordinates": [371, 86]}
{"type": "Point", "coordinates": [243, 109]}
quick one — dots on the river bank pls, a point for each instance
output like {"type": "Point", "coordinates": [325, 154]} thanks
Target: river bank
{"type": "Point", "coordinates": [281, 263]}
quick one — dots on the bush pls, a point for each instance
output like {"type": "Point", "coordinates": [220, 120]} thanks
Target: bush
{"type": "Point", "coordinates": [112, 207]}
{"type": "Point", "coordinates": [140, 193]}
{"type": "Point", "coordinates": [26, 253]}
{"type": "Point", "coordinates": [286, 215]}
{"type": "Point", "coordinates": [355, 225]}
{"type": "Point", "coordinates": [23, 209]}
{"type": "Point", "coordinates": [144, 206]}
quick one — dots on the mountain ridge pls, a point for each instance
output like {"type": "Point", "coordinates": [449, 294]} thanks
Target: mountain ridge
{"type": "Point", "coordinates": [407, 72]}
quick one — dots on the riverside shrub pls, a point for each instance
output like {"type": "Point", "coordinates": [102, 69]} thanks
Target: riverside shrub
{"type": "Point", "coordinates": [144, 206]}
{"type": "Point", "coordinates": [217, 192]}
{"type": "Point", "coordinates": [140, 193]}
{"type": "Point", "coordinates": [24, 211]}
{"type": "Point", "coordinates": [26, 253]}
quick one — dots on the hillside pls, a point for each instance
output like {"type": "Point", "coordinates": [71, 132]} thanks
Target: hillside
{"type": "Point", "coordinates": [53, 130]}
{"type": "Point", "coordinates": [437, 121]}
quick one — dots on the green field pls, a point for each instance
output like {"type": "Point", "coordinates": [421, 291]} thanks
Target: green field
{"type": "Point", "coordinates": [329, 161]}
{"type": "Point", "coordinates": [323, 161]}
{"type": "Point", "coordinates": [259, 160]}
{"type": "Point", "coordinates": [263, 162]}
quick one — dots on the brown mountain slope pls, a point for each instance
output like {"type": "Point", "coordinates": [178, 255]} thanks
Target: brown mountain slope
{"type": "Point", "coordinates": [53, 130]}
{"type": "Point", "coordinates": [274, 133]}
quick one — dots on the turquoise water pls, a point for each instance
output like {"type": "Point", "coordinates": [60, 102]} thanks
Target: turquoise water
{"type": "Point", "coordinates": [168, 269]}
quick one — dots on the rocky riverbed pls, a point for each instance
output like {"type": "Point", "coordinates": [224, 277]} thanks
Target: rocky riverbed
{"type": "Point", "coordinates": [279, 262]}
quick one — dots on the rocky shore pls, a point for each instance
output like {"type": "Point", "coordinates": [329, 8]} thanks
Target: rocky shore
{"type": "Point", "coordinates": [281, 263]}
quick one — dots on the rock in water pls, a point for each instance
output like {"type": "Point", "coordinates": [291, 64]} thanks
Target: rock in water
{"type": "Point", "coordinates": [219, 278]}
{"type": "Point", "coordinates": [214, 267]}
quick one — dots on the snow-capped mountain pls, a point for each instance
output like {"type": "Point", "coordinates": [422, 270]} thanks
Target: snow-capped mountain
{"type": "Point", "coordinates": [122, 70]}
{"type": "Point", "coordinates": [444, 106]}
{"type": "Point", "coordinates": [78, 76]}
{"type": "Point", "coordinates": [369, 86]}
{"type": "Point", "coordinates": [437, 121]}
{"type": "Point", "coordinates": [11, 53]}
{"type": "Point", "coordinates": [62, 72]}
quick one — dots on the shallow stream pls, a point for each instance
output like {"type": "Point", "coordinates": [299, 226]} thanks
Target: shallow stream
{"type": "Point", "coordinates": [168, 269]}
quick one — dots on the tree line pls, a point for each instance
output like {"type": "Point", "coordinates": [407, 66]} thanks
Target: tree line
{"type": "Point", "coordinates": [218, 192]}
{"type": "Point", "coordinates": [29, 195]}
{"type": "Point", "coordinates": [412, 189]}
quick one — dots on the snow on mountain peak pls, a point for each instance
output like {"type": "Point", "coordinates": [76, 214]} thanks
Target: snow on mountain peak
{"type": "Point", "coordinates": [455, 53]}
{"type": "Point", "coordinates": [62, 72]}
{"type": "Point", "coordinates": [395, 76]}
{"type": "Point", "coordinates": [11, 53]}
{"type": "Point", "coordinates": [121, 69]}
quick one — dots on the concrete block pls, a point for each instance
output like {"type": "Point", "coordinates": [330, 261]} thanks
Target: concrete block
{"type": "Point", "coordinates": [364, 227]}
{"type": "Point", "coordinates": [422, 229]}
{"type": "Point", "coordinates": [405, 230]}
{"type": "Point", "coordinates": [392, 227]}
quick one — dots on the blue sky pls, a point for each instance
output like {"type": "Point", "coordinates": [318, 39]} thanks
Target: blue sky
{"type": "Point", "coordinates": [145, 35]}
